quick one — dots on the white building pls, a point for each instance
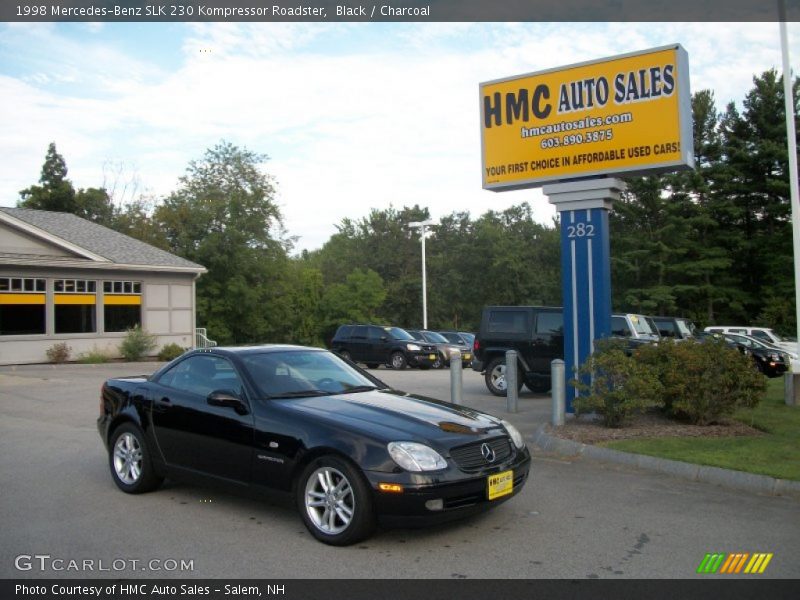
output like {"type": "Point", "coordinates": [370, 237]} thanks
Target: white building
{"type": "Point", "coordinates": [66, 279]}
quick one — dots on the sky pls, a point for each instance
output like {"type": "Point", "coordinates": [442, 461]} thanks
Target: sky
{"type": "Point", "coordinates": [353, 116]}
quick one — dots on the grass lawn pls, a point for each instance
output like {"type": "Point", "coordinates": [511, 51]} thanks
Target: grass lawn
{"type": "Point", "coordinates": [776, 454]}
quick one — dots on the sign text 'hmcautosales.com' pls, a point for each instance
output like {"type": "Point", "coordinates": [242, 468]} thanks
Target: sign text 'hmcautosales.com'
{"type": "Point", "coordinates": [628, 114]}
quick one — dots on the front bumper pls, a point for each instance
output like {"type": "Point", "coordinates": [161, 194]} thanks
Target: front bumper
{"type": "Point", "coordinates": [462, 494]}
{"type": "Point", "coordinates": [775, 369]}
{"type": "Point", "coordinates": [421, 359]}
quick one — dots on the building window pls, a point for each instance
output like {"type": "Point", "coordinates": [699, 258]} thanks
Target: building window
{"type": "Point", "coordinates": [122, 305]}
{"type": "Point", "coordinates": [75, 305]}
{"type": "Point", "coordinates": [22, 306]}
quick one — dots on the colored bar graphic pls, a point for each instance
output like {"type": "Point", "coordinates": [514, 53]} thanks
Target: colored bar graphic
{"type": "Point", "coordinates": [734, 563]}
{"type": "Point", "coordinates": [711, 563]}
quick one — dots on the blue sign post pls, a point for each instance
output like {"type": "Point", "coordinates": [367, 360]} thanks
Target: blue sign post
{"type": "Point", "coordinates": [585, 266]}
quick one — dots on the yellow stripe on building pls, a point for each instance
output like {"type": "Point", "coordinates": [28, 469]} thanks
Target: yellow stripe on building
{"type": "Point", "coordinates": [75, 299]}
{"type": "Point", "coordinates": [22, 298]}
{"type": "Point", "coordinates": [132, 300]}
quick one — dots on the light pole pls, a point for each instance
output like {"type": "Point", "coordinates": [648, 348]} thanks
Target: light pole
{"type": "Point", "coordinates": [422, 225]}
{"type": "Point", "coordinates": [791, 138]}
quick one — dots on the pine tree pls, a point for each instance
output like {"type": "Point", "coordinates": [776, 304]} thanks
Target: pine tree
{"type": "Point", "coordinates": [55, 192]}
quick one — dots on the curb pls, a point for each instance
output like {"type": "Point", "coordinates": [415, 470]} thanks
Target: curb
{"type": "Point", "coordinates": [738, 480]}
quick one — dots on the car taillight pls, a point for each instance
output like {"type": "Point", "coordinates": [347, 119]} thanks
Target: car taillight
{"type": "Point", "coordinates": [476, 345]}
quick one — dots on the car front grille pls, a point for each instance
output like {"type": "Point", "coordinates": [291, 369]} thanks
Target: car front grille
{"type": "Point", "coordinates": [470, 457]}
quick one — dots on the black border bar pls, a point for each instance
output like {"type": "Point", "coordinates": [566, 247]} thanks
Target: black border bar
{"type": "Point", "coordinates": [399, 10]}
{"type": "Point", "coordinates": [733, 588]}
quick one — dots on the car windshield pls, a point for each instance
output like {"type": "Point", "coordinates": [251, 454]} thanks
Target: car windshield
{"type": "Point", "coordinates": [685, 327]}
{"type": "Point", "coordinates": [641, 325]}
{"type": "Point", "coordinates": [398, 334]}
{"type": "Point", "coordinates": [456, 338]}
{"type": "Point", "coordinates": [434, 337]}
{"type": "Point", "coordinates": [303, 373]}
{"type": "Point", "coordinates": [747, 341]}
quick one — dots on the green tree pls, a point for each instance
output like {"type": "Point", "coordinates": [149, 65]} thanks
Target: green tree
{"type": "Point", "coordinates": [136, 220]}
{"type": "Point", "coordinates": [95, 205]}
{"type": "Point", "coordinates": [357, 300]}
{"type": "Point", "coordinates": [754, 193]}
{"type": "Point", "coordinates": [224, 216]}
{"type": "Point", "coordinates": [55, 192]}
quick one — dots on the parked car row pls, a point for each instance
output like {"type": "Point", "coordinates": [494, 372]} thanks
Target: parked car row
{"type": "Point", "coordinates": [398, 348]}
{"type": "Point", "coordinates": [536, 333]}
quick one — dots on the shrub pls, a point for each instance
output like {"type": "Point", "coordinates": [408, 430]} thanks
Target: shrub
{"type": "Point", "coordinates": [137, 344]}
{"type": "Point", "coordinates": [58, 353]}
{"type": "Point", "coordinates": [703, 381]}
{"type": "Point", "coordinates": [170, 352]}
{"type": "Point", "coordinates": [615, 385]}
{"type": "Point", "coordinates": [95, 357]}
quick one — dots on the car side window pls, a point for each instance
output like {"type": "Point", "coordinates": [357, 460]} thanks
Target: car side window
{"type": "Point", "coordinates": [619, 327]}
{"type": "Point", "coordinates": [375, 333]}
{"type": "Point", "coordinates": [760, 335]}
{"type": "Point", "coordinates": [202, 375]}
{"type": "Point", "coordinates": [508, 321]}
{"type": "Point", "coordinates": [550, 323]}
{"type": "Point", "coordinates": [359, 333]}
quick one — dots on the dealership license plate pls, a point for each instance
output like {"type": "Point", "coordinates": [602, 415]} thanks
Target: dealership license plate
{"type": "Point", "coordinates": [432, 357]}
{"type": "Point", "coordinates": [501, 484]}
{"type": "Point", "coordinates": [467, 356]}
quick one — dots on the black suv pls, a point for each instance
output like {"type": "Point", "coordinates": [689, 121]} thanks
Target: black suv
{"type": "Point", "coordinates": [375, 345]}
{"type": "Point", "coordinates": [535, 332]}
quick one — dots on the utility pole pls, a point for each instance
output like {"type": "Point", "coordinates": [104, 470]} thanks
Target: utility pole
{"type": "Point", "coordinates": [422, 225]}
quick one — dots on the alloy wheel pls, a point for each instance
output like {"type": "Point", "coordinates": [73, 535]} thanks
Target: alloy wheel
{"type": "Point", "coordinates": [329, 500]}
{"type": "Point", "coordinates": [128, 458]}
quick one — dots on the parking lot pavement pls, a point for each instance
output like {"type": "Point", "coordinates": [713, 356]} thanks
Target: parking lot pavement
{"type": "Point", "coordinates": [574, 519]}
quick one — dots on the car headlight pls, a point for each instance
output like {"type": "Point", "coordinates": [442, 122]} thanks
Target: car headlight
{"type": "Point", "coordinates": [516, 436]}
{"type": "Point", "coordinates": [775, 357]}
{"type": "Point", "coordinates": [416, 457]}
{"type": "Point", "coordinates": [413, 347]}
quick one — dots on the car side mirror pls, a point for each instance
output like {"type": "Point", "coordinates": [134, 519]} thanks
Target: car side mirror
{"type": "Point", "coordinates": [227, 399]}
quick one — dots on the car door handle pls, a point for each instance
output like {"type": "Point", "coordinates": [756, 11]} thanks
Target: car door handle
{"type": "Point", "coordinates": [165, 400]}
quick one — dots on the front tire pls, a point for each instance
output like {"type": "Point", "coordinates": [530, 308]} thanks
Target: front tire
{"type": "Point", "coordinates": [398, 361]}
{"type": "Point", "coordinates": [335, 502]}
{"type": "Point", "coordinates": [439, 362]}
{"type": "Point", "coordinates": [129, 459]}
{"type": "Point", "coordinates": [496, 377]}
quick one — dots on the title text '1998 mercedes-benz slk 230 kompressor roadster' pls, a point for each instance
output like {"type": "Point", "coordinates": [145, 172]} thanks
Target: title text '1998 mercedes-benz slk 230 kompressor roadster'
{"type": "Point", "coordinates": [352, 451]}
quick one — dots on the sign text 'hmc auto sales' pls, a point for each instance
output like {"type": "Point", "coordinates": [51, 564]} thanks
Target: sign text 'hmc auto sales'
{"type": "Point", "coordinates": [628, 114]}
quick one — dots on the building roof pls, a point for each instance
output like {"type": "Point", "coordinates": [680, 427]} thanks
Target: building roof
{"type": "Point", "coordinates": [91, 242]}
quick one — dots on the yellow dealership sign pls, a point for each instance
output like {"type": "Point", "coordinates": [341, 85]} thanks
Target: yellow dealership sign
{"type": "Point", "coordinates": [629, 114]}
